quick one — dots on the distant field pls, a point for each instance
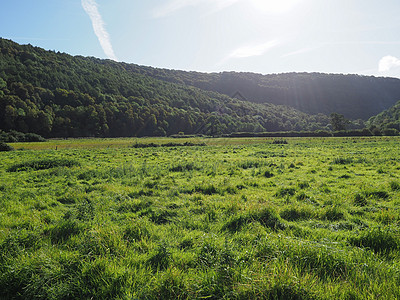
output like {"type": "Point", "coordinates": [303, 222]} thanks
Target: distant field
{"type": "Point", "coordinates": [299, 218]}
{"type": "Point", "coordinates": [128, 142]}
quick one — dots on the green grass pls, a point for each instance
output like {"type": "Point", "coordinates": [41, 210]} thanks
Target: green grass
{"type": "Point", "coordinates": [313, 218]}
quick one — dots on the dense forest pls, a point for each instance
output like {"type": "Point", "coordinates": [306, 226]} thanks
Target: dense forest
{"type": "Point", "coordinates": [58, 95]}
{"type": "Point", "coordinates": [354, 96]}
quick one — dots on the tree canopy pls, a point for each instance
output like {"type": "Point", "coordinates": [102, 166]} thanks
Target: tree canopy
{"type": "Point", "coordinates": [58, 95]}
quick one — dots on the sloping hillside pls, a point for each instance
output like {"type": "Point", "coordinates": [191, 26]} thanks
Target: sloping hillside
{"type": "Point", "coordinates": [356, 97]}
{"type": "Point", "coordinates": [58, 95]}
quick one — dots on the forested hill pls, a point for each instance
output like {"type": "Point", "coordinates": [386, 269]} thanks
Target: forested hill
{"type": "Point", "coordinates": [58, 95]}
{"type": "Point", "coordinates": [355, 96]}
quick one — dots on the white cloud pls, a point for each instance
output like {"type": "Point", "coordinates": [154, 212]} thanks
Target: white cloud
{"type": "Point", "coordinates": [90, 7]}
{"type": "Point", "coordinates": [388, 63]}
{"type": "Point", "coordinates": [253, 50]}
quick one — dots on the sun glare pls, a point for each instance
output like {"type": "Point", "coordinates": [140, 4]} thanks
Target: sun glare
{"type": "Point", "coordinates": [274, 6]}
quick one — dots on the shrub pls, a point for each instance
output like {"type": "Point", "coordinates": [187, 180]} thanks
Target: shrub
{"type": "Point", "coordinates": [15, 136]}
{"type": "Point", "coordinates": [5, 147]}
{"type": "Point", "coordinates": [33, 137]}
{"type": "Point", "coordinates": [390, 132]}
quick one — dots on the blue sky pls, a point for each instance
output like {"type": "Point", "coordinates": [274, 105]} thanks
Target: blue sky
{"type": "Point", "coordinates": [263, 36]}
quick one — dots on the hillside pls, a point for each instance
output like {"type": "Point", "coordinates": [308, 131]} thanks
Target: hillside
{"type": "Point", "coordinates": [58, 95]}
{"type": "Point", "coordinates": [354, 96]}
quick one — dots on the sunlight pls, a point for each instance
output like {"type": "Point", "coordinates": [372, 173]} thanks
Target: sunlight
{"type": "Point", "coordinates": [274, 6]}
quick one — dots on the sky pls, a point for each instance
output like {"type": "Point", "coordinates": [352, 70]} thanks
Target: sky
{"type": "Point", "coordinates": [262, 36]}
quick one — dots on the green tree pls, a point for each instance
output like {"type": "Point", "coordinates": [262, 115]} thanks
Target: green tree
{"type": "Point", "coordinates": [338, 122]}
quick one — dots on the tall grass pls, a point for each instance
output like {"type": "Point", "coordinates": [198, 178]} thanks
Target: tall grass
{"type": "Point", "coordinates": [238, 219]}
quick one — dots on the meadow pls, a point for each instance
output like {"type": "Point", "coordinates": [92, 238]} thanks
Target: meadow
{"type": "Point", "coordinates": [256, 218]}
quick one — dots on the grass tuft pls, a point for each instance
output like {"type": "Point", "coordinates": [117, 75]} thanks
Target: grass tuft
{"type": "Point", "coordinates": [342, 160]}
{"type": "Point", "coordinates": [394, 186]}
{"type": "Point", "coordinates": [160, 259]}
{"type": "Point", "coordinates": [377, 239]}
{"type": "Point", "coordinates": [283, 192]}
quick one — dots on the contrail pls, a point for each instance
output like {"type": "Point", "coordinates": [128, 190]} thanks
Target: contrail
{"type": "Point", "coordinates": [90, 6]}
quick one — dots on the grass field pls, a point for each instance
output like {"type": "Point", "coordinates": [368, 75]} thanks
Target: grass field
{"type": "Point", "coordinates": [313, 218]}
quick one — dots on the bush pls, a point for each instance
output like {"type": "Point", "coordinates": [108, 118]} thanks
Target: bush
{"type": "Point", "coordinates": [390, 132]}
{"type": "Point", "coordinates": [33, 137]}
{"type": "Point", "coordinates": [15, 136]}
{"type": "Point", "coordinates": [5, 147]}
